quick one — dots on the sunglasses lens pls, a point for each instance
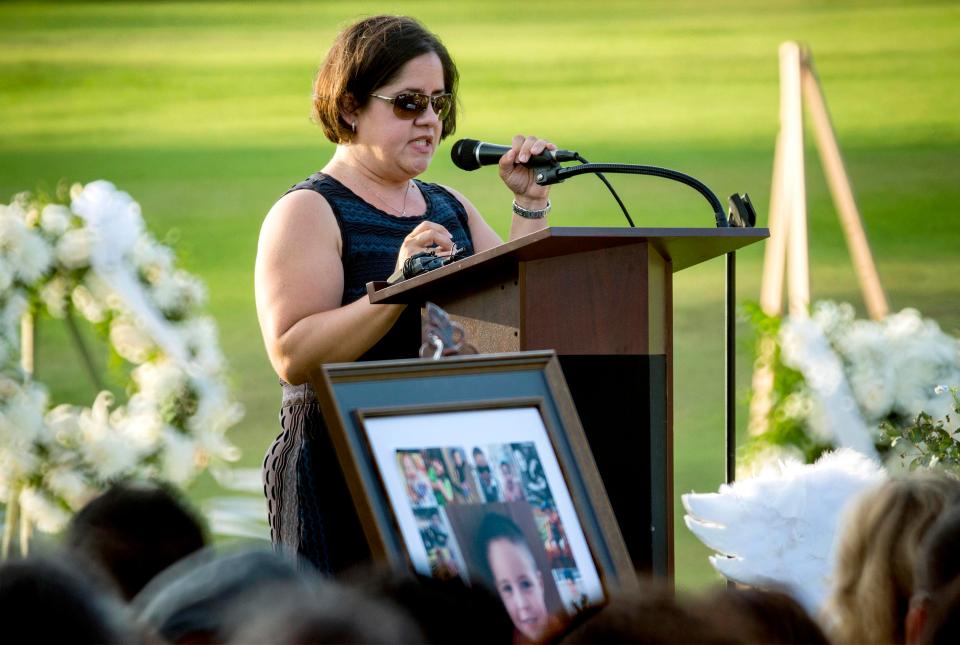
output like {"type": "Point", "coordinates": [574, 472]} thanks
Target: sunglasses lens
{"type": "Point", "coordinates": [442, 104]}
{"type": "Point", "coordinates": [408, 106]}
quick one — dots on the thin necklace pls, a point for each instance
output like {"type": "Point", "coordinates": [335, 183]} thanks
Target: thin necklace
{"type": "Point", "coordinates": [403, 209]}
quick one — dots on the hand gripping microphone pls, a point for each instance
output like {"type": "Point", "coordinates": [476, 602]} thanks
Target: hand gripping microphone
{"type": "Point", "coordinates": [470, 154]}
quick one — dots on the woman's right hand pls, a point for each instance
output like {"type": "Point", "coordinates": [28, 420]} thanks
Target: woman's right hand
{"type": "Point", "coordinates": [425, 237]}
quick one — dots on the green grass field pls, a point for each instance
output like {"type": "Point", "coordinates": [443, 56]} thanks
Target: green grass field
{"type": "Point", "coordinates": [200, 111]}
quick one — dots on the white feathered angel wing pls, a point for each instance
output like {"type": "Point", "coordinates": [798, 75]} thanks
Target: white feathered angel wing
{"type": "Point", "coordinates": [777, 529]}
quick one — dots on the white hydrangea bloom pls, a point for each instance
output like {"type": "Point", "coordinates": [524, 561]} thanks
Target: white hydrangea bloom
{"type": "Point", "coordinates": [64, 424]}
{"type": "Point", "coordinates": [105, 449]}
{"type": "Point", "coordinates": [89, 307]}
{"type": "Point", "coordinates": [54, 296]}
{"type": "Point", "coordinates": [178, 293]}
{"type": "Point", "coordinates": [201, 340]}
{"type": "Point", "coordinates": [130, 340]}
{"type": "Point", "coordinates": [140, 423]}
{"type": "Point", "coordinates": [33, 258]}
{"type": "Point", "coordinates": [216, 413]}
{"type": "Point", "coordinates": [6, 274]}
{"type": "Point", "coordinates": [55, 219]}
{"type": "Point", "coordinates": [113, 218]}
{"type": "Point", "coordinates": [21, 419]}
{"type": "Point", "coordinates": [67, 483]}
{"type": "Point", "coordinates": [42, 511]}
{"type": "Point", "coordinates": [64, 453]}
{"type": "Point", "coordinates": [74, 248]}
{"type": "Point", "coordinates": [152, 259]}
{"type": "Point", "coordinates": [181, 457]}
{"type": "Point", "coordinates": [159, 381]}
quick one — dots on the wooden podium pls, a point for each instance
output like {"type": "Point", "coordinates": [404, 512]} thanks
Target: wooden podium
{"type": "Point", "coordinates": [602, 298]}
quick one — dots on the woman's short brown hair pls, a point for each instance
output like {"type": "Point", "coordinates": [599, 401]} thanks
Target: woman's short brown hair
{"type": "Point", "coordinates": [368, 55]}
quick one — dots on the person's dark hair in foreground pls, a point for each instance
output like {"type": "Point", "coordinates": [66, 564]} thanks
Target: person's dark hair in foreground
{"type": "Point", "coordinates": [134, 531]}
{"type": "Point", "coordinates": [762, 616]}
{"type": "Point", "coordinates": [323, 611]}
{"type": "Point", "coordinates": [441, 608]}
{"type": "Point", "coordinates": [43, 601]}
{"type": "Point", "coordinates": [942, 626]}
{"type": "Point", "coordinates": [192, 601]}
{"type": "Point", "coordinates": [652, 615]}
{"type": "Point", "coordinates": [936, 568]}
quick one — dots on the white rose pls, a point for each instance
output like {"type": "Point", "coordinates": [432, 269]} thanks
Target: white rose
{"type": "Point", "coordinates": [108, 453]}
{"type": "Point", "coordinates": [874, 391]}
{"type": "Point", "coordinates": [153, 260]}
{"type": "Point", "coordinates": [832, 317]}
{"type": "Point", "coordinates": [73, 249]}
{"type": "Point", "coordinates": [69, 484]}
{"type": "Point", "coordinates": [113, 217]}
{"type": "Point", "coordinates": [54, 296]}
{"type": "Point", "coordinates": [12, 229]}
{"type": "Point", "coordinates": [42, 512]}
{"type": "Point", "coordinates": [131, 342]}
{"type": "Point", "coordinates": [904, 324]}
{"type": "Point", "coordinates": [33, 258]}
{"type": "Point", "coordinates": [64, 424]}
{"type": "Point", "coordinates": [140, 425]}
{"type": "Point", "coordinates": [55, 219]}
{"type": "Point", "coordinates": [18, 458]}
{"type": "Point", "coordinates": [863, 343]}
{"type": "Point", "coordinates": [6, 275]}
{"type": "Point", "coordinates": [88, 306]}
{"type": "Point", "coordinates": [918, 370]}
{"type": "Point", "coordinates": [166, 295]}
{"type": "Point", "coordinates": [159, 381]}
{"type": "Point", "coordinates": [22, 417]}
{"type": "Point", "coordinates": [181, 458]}
{"type": "Point", "coordinates": [215, 414]}
{"type": "Point", "coordinates": [200, 338]}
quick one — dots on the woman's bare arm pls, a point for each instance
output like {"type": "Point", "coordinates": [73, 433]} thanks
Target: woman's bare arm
{"type": "Point", "coordinates": [299, 287]}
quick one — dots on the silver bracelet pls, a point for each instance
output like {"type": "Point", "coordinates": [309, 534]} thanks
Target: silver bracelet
{"type": "Point", "coordinates": [529, 214]}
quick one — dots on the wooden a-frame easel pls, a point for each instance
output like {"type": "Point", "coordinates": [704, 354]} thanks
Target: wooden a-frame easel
{"type": "Point", "coordinates": [787, 251]}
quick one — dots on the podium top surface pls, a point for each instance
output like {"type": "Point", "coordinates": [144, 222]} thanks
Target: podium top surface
{"type": "Point", "coordinates": [684, 247]}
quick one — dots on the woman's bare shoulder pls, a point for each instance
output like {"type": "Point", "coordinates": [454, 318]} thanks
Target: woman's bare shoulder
{"type": "Point", "coordinates": [301, 215]}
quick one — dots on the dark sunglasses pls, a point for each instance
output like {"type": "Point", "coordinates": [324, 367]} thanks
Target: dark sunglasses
{"type": "Point", "coordinates": [410, 105]}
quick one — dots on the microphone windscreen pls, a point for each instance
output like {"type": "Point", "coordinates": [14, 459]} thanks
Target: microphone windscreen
{"type": "Point", "coordinates": [464, 154]}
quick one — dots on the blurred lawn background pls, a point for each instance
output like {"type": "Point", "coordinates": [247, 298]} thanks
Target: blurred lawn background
{"type": "Point", "coordinates": [200, 111]}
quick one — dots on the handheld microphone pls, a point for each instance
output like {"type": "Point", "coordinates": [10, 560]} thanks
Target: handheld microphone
{"type": "Point", "coordinates": [470, 154]}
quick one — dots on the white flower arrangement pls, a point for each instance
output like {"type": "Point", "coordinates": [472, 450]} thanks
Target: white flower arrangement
{"type": "Point", "coordinates": [94, 256]}
{"type": "Point", "coordinates": [847, 382]}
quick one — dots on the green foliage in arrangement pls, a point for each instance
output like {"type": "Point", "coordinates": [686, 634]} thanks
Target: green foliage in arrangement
{"type": "Point", "coordinates": [932, 443]}
{"type": "Point", "coordinates": [786, 426]}
{"type": "Point", "coordinates": [200, 110]}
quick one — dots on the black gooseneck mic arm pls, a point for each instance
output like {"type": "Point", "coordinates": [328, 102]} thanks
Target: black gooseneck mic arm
{"type": "Point", "coordinates": [554, 174]}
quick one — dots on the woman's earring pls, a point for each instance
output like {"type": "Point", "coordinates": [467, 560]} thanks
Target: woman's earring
{"type": "Point", "coordinates": [354, 126]}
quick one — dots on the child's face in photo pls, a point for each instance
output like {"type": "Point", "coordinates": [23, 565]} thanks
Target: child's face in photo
{"type": "Point", "coordinates": [520, 585]}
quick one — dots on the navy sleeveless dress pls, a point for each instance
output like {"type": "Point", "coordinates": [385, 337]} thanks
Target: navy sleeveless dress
{"type": "Point", "coordinates": [308, 504]}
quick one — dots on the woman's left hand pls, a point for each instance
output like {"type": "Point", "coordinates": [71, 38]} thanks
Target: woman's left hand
{"type": "Point", "coordinates": [520, 179]}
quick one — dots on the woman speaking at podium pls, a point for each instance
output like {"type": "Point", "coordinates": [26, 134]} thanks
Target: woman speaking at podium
{"type": "Point", "coordinates": [386, 95]}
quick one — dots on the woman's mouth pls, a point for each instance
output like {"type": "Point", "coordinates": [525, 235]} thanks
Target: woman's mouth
{"type": "Point", "coordinates": [422, 144]}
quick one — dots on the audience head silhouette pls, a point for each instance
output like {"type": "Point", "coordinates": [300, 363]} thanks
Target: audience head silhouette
{"type": "Point", "coordinates": [877, 553]}
{"type": "Point", "coordinates": [132, 532]}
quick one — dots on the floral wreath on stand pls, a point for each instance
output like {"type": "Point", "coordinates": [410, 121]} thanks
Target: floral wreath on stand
{"type": "Point", "coordinates": [887, 388]}
{"type": "Point", "coordinates": [94, 256]}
